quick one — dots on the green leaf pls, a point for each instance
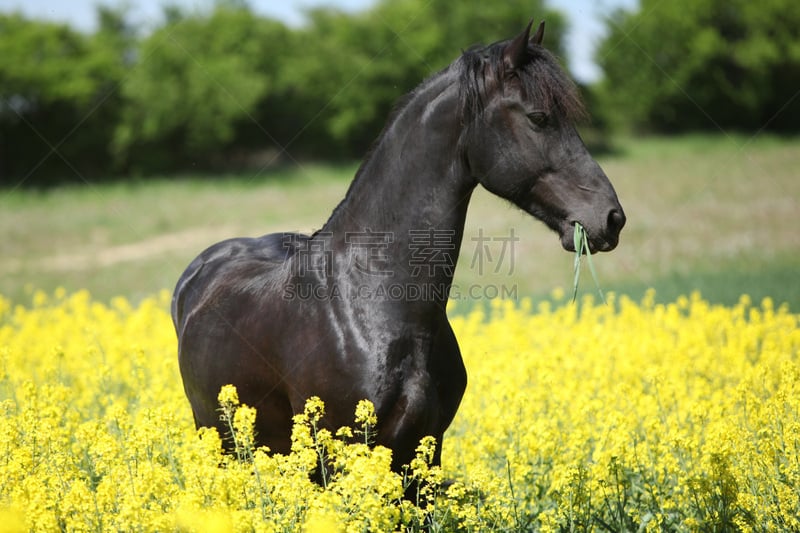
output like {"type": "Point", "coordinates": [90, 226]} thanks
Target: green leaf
{"type": "Point", "coordinates": [581, 240]}
{"type": "Point", "coordinates": [577, 239]}
{"type": "Point", "coordinates": [591, 267]}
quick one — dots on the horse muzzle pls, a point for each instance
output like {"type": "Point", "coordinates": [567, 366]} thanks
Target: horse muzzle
{"type": "Point", "coordinates": [602, 232]}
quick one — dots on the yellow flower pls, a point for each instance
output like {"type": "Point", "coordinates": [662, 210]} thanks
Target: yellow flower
{"type": "Point", "coordinates": [314, 409]}
{"type": "Point", "coordinates": [321, 522]}
{"type": "Point", "coordinates": [228, 396]}
{"type": "Point", "coordinates": [13, 520]}
{"type": "Point", "coordinates": [682, 411]}
{"type": "Point", "coordinates": [244, 420]}
{"type": "Point", "coordinates": [190, 520]}
{"type": "Point", "coordinates": [365, 413]}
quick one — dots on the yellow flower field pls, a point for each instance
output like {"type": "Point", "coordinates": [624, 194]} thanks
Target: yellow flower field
{"type": "Point", "coordinates": [627, 416]}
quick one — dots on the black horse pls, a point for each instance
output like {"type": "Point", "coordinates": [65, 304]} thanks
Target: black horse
{"type": "Point", "coordinates": [357, 310]}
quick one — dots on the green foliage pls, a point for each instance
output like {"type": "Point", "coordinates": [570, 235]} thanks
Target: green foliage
{"type": "Point", "coordinates": [197, 78]}
{"type": "Point", "coordinates": [704, 64]}
{"type": "Point", "coordinates": [581, 243]}
{"type": "Point", "coordinates": [361, 64]}
{"type": "Point", "coordinates": [57, 100]}
{"type": "Point", "coordinates": [224, 87]}
{"type": "Point", "coordinates": [207, 89]}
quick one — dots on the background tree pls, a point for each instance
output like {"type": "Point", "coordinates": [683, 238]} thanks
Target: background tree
{"type": "Point", "coordinates": [207, 89]}
{"type": "Point", "coordinates": [57, 97]}
{"type": "Point", "coordinates": [361, 64]}
{"type": "Point", "coordinates": [704, 64]}
{"type": "Point", "coordinates": [197, 78]}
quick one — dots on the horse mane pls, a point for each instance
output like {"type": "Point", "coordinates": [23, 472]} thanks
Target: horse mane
{"type": "Point", "coordinates": [400, 105]}
{"type": "Point", "coordinates": [542, 80]}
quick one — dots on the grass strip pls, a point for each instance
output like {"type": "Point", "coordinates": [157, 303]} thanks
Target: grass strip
{"type": "Point", "coordinates": [581, 241]}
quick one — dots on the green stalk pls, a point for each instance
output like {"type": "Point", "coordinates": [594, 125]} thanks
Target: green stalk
{"type": "Point", "coordinates": [581, 241]}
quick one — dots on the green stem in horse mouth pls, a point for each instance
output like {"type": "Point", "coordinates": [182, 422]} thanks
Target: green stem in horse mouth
{"type": "Point", "coordinates": [581, 241]}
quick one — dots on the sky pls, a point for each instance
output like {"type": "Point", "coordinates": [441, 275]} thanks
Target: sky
{"type": "Point", "coordinates": [585, 18]}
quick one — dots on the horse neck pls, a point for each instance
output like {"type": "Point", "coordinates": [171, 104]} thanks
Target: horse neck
{"type": "Point", "coordinates": [415, 179]}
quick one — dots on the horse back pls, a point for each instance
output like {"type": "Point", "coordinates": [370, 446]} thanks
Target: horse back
{"type": "Point", "coordinates": [233, 266]}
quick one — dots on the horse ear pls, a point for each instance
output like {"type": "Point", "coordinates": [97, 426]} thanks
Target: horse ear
{"type": "Point", "coordinates": [515, 54]}
{"type": "Point", "coordinates": [537, 37]}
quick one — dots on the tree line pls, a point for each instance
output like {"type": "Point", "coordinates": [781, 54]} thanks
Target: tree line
{"type": "Point", "coordinates": [227, 88]}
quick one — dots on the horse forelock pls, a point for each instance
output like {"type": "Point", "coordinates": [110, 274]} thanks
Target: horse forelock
{"type": "Point", "coordinates": [542, 80]}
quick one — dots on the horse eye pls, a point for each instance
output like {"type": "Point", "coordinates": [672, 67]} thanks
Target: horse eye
{"type": "Point", "coordinates": [539, 118]}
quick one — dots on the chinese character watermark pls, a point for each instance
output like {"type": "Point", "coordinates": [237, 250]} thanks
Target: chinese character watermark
{"type": "Point", "coordinates": [482, 253]}
{"type": "Point", "coordinates": [432, 249]}
{"type": "Point", "coordinates": [368, 251]}
{"type": "Point", "coordinates": [321, 262]}
{"type": "Point", "coordinates": [313, 255]}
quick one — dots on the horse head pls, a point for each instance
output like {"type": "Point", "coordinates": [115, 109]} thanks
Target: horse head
{"type": "Point", "coordinates": [522, 143]}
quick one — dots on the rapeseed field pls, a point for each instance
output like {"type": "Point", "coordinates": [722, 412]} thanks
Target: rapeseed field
{"type": "Point", "coordinates": [625, 416]}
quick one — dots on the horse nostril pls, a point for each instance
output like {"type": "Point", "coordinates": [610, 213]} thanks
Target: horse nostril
{"type": "Point", "coordinates": [616, 219]}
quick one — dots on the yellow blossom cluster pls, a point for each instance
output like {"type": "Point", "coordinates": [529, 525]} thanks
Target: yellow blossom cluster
{"type": "Point", "coordinates": [625, 416]}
